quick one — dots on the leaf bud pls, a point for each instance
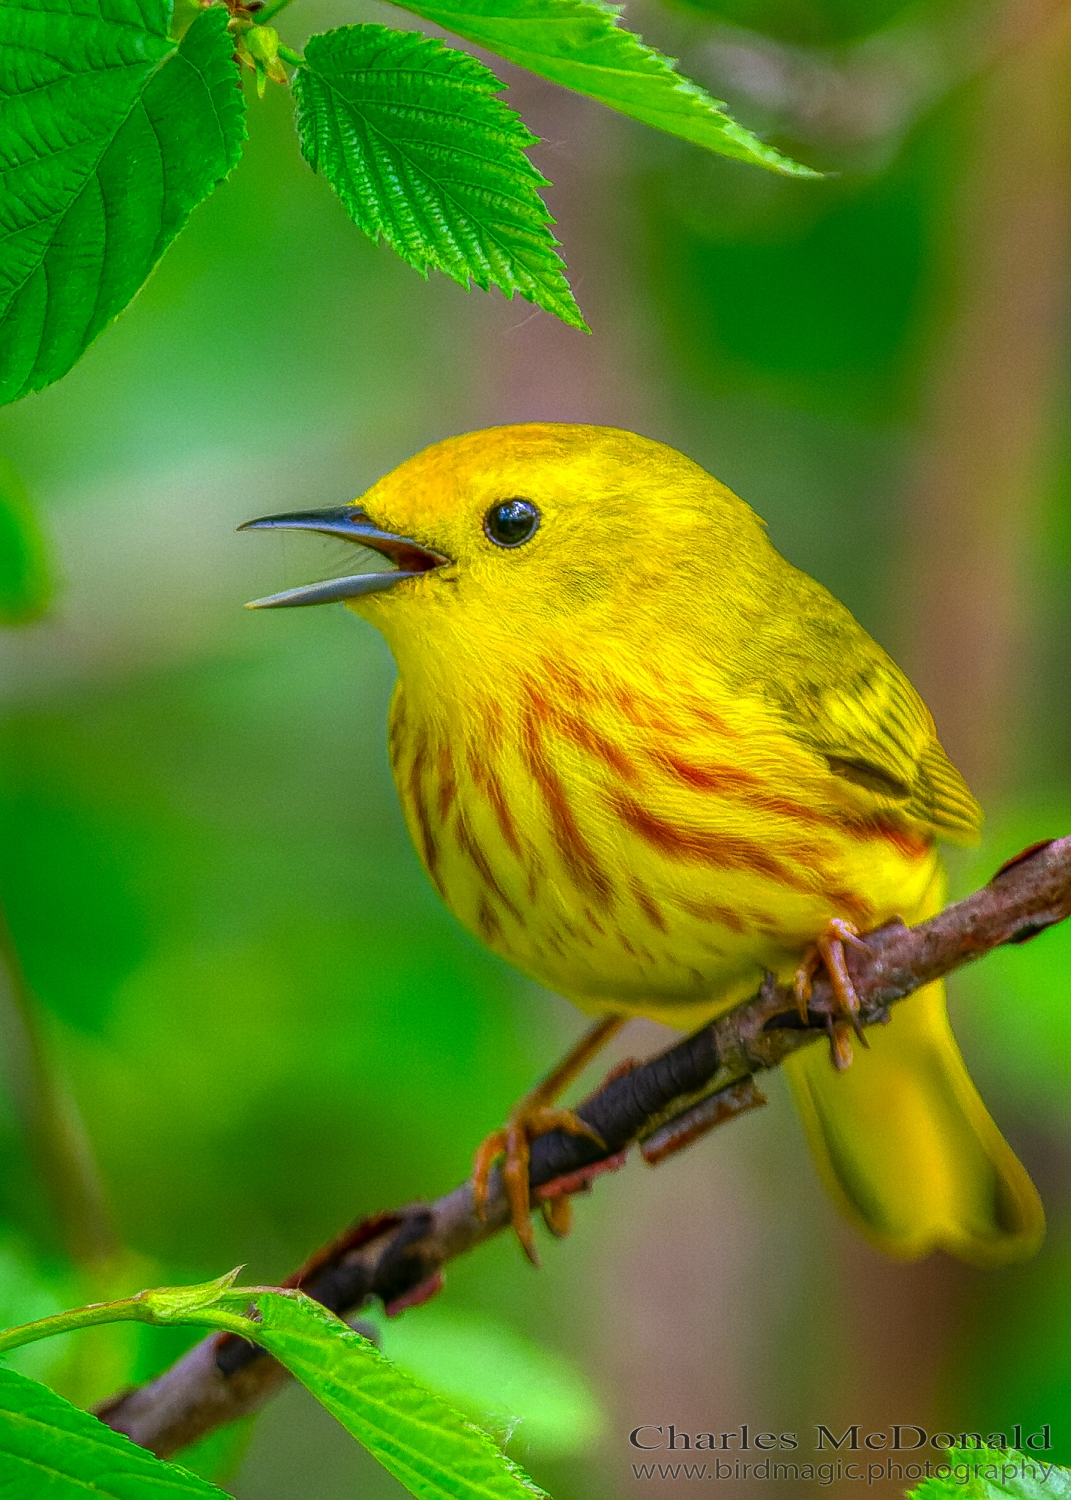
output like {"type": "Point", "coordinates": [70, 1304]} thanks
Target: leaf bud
{"type": "Point", "coordinates": [262, 44]}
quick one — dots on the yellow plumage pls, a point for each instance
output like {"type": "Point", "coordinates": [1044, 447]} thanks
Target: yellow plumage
{"type": "Point", "coordinates": [645, 759]}
{"type": "Point", "coordinates": [905, 1145]}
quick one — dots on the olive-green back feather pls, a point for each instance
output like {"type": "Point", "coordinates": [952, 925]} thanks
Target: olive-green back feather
{"type": "Point", "coordinates": [842, 696]}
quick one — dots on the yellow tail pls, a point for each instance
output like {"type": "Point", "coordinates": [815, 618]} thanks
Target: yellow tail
{"type": "Point", "coordinates": [907, 1147]}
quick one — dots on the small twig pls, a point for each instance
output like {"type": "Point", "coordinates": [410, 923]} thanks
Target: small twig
{"type": "Point", "coordinates": [270, 11]}
{"type": "Point", "coordinates": [665, 1103]}
{"type": "Point", "coordinates": [50, 1119]}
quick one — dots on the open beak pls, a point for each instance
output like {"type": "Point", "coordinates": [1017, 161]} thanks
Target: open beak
{"type": "Point", "coordinates": [409, 558]}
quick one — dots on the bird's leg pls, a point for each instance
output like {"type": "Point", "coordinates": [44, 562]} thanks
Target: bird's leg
{"type": "Point", "coordinates": [534, 1115]}
{"type": "Point", "coordinates": [828, 951]}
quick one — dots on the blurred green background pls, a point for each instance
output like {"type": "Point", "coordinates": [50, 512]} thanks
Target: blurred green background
{"type": "Point", "coordinates": [255, 1002]}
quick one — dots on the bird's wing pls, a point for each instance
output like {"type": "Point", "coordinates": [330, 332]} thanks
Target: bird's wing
{"type": "Point", "coordinates": [846, 700]}
{"type": "Point", "coordinates": [874, 730]}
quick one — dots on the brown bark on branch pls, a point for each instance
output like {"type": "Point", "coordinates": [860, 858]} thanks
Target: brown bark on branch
{"type": "Point", "coordinates": [663, 1104]}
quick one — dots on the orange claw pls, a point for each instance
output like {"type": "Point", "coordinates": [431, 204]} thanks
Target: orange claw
{"type": "Point", "coordinates": [533, 1116]}
{"type": "Point", "coordinates": [828, 951]}
{"type": "Point", "coordinates": [802, 982]}
{"type": "Point", "coordinates": [528, 1119]}
{"type": "Point", "coordinates": [558, 1215]}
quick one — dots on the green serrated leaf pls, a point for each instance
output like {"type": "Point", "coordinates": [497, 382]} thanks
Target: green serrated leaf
{"type": "Point", "coordinates": [581, 45]}
{"type": "Point", "coordinates": [995, 1474]}
{"type": "Point", "coordinates": [24, 580]}
{"type": "Point", "coordinates": [111, 133]}
{"type": "Point", "coordinates": [48, 1446]}
{"type": "Point", "coordinates": [501, 1379]}
{"type": "Point", "coordinates": [433, 1451]}
{"type": "Point", "coordinates": [411, 137]}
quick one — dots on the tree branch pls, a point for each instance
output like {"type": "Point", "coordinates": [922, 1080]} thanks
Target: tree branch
{"type": "Point", "coordinates": [663, 1104]}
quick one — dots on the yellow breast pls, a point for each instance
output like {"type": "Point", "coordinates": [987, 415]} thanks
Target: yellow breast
{"type": "Point", "coordinates": [641, 846]}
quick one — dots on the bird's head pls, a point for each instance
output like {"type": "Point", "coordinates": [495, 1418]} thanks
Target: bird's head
{"type": "Point", "coordinates": [515, 531]}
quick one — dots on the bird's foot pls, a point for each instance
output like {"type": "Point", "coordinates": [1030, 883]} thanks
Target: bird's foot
{"type": "Point", "coordinates": [530, 1118]}
{"type": "Point", "coordinates": [827, 952]}
{"type": "Point", "coordinates": [535, 1115]}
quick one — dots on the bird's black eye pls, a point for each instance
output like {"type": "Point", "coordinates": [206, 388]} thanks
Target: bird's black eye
{"type": "Point", "coordinates": [510, 523]}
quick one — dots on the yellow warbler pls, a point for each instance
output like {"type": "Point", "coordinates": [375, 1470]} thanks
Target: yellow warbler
{"type": "Point", "coordinates": [645, 759]}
